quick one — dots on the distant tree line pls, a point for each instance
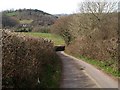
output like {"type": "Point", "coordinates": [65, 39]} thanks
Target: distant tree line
{"type": "Point", "coordinates": [8, 22]}
{"type": "Point", "coordinates": [33, 19]}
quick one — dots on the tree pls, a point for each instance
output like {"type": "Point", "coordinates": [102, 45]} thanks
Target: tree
{"type": "Point", "coordinates": [8, 21]}
{"type": "Point", "coordinates": [61, 27]}
{"type": "Point", "coordinates": [99, 14]}
{"type": "Point", "coordinates": [98, 7]}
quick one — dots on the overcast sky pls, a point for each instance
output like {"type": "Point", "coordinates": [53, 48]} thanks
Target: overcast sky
{"type": "Point", "coordinates": [50, 6]}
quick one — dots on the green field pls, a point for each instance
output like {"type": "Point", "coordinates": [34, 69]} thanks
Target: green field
{"type": "Point", "coordinates": [56, 39]}
{"type": "Point", "coordinates": [25, 21]}
{"type": "Point", "coordinates": [11, 14]}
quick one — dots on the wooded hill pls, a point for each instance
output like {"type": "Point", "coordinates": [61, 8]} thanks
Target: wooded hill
{"type": "Point", "coordinates": [25, 19]}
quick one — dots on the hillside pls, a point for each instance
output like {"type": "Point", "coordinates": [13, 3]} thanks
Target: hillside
{"type": "Point", "coordinates": [31, 18]}
{"type": "Point", "coordinates": [91, 38]}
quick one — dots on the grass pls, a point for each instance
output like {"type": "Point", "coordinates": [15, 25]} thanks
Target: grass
{"type": "Point", "coordinates": [102, 65]}
{"type": "Point", "coordinates": [55, 38]}
{"type": "Point", "coordinates": [25, 21]}
{"type": "Point", "coordinates": [11, 14]}
{"type": "Point", "coordinates": [21, 21]}
{"type": "Point", "coordinates": [51, 74]}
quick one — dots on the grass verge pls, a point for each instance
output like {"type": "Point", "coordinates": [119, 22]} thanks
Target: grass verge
{"type": "Point", "coordinates": [51, 74]}
{"type": "Point", "coordinates": [102, 65]}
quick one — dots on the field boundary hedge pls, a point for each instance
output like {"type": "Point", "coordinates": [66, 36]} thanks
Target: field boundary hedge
{"type": "Point", "coordinates": [28, 62]}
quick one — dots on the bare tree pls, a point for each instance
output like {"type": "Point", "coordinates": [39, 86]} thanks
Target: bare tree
{"type": "Point", "coordinates": [97, 8]}
{"type": "Point", "coordinates": [99, 13]}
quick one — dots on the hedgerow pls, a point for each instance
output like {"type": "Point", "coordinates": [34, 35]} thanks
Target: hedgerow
{"type": "Point", "coordinates": [28, 62]}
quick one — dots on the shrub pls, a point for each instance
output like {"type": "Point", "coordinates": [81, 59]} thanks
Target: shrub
{"type": "Point", "coordinates": [28, 62]}
{"type": "Point", "coordinates": [22, 29]}
{"type": "Point", "coordinates": [90, 37]}
{"type": "Point", "coordinates": [61, 27]}
{"type": "Point", "coordinates": [42, 29]}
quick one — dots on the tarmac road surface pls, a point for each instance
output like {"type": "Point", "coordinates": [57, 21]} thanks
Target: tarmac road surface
{"type": "Point", "coordinates": [79, 74]}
